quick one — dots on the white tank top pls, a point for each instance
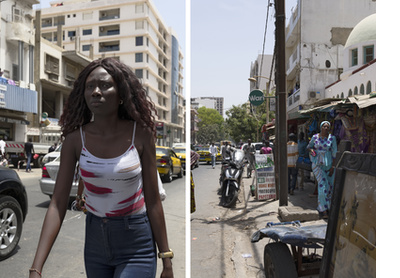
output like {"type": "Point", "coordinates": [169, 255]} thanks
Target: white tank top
{"type": "Point", "coordinates": [113, 186]}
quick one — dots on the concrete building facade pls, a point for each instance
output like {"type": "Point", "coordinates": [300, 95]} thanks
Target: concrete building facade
{"type": "Point", "coordinates": [316, 35]}
{"type": "Point", "coordinates": [216, 103]}
{"type": "Point", "coordinates": [133, 32]}
{"type": "Point", "coordinates": [18, 95]}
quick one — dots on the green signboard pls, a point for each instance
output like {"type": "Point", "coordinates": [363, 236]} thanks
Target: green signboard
{"type": "Point", "coordinates": [256, 97]}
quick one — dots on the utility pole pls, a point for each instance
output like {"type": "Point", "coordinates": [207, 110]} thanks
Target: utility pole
{"type": "Point", "coordinates": [280, 78]}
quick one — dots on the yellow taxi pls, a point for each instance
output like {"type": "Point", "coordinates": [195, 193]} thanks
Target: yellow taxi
{"type": "Point", "coordinates": [181, 152]}
{"type": "Point", "coordinates": [205, 156]}
{"type": "Point", "coordinates": [168, 163]}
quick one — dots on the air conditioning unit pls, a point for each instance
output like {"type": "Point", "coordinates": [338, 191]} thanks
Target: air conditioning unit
{"type": "Point", "coordinates": [314, 95]}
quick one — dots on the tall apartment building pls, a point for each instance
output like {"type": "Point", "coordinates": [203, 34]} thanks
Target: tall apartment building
{"type": "Point", "coordinates": [316, 35]}
{"type": "Point", "coordinates": [133, 32]}
{"type": "Point", "coordinates": [216, 103]}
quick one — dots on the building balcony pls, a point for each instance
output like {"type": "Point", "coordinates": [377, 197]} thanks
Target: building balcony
{"type": "Point", "coordinates": [17, 31]}
{"type": "Point", "coordinates": [16, 98]}
{"type": "Point", "coordinates": [293, 100]}
{"type": "Point", "coordinates": [292, 62]}
{"type": "Point", "coordinates": [292, 30]}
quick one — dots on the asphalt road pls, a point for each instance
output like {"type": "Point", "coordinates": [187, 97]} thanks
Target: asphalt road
{"type": "Point", "coordinates": [66, 257]}
{"type": "Point", "coordinates": [212, 228]}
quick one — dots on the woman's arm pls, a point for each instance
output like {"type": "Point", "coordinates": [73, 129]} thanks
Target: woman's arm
{"type": "Point", "coordinates": [155, 210]}
{"type": "Point", "coordinates": [58, 205]}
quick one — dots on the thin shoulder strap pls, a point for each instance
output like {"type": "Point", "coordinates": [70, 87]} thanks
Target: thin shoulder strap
{"type": "Point", "coordinates": [133, 135]}
{"type": "Point", "coordinates": [82, 137]}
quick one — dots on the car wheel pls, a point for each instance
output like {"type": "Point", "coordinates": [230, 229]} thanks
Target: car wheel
{"type": "Point", "coordinates": [11, 220]}
{"type": "Point", "coordinates": [180, 174]}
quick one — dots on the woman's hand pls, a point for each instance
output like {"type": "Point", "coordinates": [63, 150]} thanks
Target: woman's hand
{"type": "Point", "coordinates": [312, 151]}
{"type": "Point", "coordinates": [167, 270]}
{"type": "Point", "coordinates": [331, 171]}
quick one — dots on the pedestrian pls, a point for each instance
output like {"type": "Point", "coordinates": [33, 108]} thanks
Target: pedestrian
{"type": "Point", "coordinates": [292, 155]}
{"type": "Point", "coordinates": [323, 148]}
{"type": "Point", "coordinates": [266, 149]}
{"type": "Point", "coordinates": [53, 148]}
{"type": "Point", "coordinates": [226, 150]}
{"type": "Point", "coordinates": [213, 152]}
{"type": "Point", "coordinates": [29, 151]}
{"type": "Point", "coordinates": [108, 127]}
{"type": "Point", "coordinates": [250, 151]}
{"type": "Point", "coordinates": [2, 148]}
{"type": "Point", "coordinates": [303, 157]}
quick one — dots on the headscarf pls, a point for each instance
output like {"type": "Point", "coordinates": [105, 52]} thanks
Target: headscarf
{"type": "Point", "coordinates": [324, 122]}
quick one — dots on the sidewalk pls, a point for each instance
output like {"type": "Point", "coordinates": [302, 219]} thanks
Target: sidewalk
{"type": "Point", "coordinates": [248, 258]}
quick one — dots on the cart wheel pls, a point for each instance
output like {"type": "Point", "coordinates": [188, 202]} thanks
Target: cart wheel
{"type": "Point", "coordinates": [278, 261]}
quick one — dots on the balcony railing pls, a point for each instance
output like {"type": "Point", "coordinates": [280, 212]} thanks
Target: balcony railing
{"type": "Point", "coordinates": [16, 98]}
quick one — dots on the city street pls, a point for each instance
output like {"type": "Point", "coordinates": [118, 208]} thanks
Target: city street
{"type": "Point", "coordinates": [219, 235]}
{"type": "Point", "coordinates": [66, 257]}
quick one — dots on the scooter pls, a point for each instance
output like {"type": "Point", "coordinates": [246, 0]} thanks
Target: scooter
{"type": "Point", "coordinates": [230, 179]}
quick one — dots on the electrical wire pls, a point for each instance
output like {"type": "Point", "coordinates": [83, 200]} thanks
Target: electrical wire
{"type": "Point", "coordinates": [265, 36]}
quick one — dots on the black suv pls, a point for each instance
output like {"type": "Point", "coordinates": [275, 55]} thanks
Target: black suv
{"type": "Point", "coordinates": [13, 210]}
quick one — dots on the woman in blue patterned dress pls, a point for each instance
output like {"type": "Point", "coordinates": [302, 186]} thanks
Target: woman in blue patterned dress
{"type": "Point", "coordinates": [323, 148]}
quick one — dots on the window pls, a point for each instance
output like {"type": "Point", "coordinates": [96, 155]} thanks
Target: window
{"type": "Point", "coordinates": [369, 87]}
{"type": "Point", "coordinates": [368, 53]}
{"type": "Point", "coordinates": [354, 57]}
{"type": "Point", "coordinates": [362, 89]}
{"type": "Point", "coordinates": [139, 8]}
{"type": "Point", "coordinates": [139, 57]}
{"type": "Point", "coordinates": [350, 93]}
{"type": "Point", "coordinates": [139, 73]}
{"type": "Point", "coordinates": [139, 24]}
{"type": "Point", "coordinates": [71, 33]}
{"type": "Point", "coordinates": [139, 41]}
{"type": "Point", "coordinates": [86, 32]}
{"type": "Point", "coordinates": [86, 47]}
{"type": "Point", "coordinates": [355, 90]}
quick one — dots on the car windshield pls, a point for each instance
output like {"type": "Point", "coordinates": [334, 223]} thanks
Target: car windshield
{"type": "Point", "coordinates": [203, 148]}
{"type": "Point", "coordinates": [180, 150]}
{"type": "Point", "coordinates": [161, 151]}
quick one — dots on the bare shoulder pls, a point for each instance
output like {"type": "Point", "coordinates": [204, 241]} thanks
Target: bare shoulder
{"type": "Point", "coordinates": [144, 138]}
{"type": "Point", "coordinates": [72, 143]}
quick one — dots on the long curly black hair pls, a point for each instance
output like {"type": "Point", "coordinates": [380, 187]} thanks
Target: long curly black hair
{"type": "Point", "coordinates": [136, 106]}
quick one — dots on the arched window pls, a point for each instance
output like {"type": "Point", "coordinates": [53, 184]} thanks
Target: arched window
{"type": "Point", "coordinates": [342, 95]}
{"type": "Point", "coordinates": [362, 89]}
{"type": "Point", "coordinates": [350, 93]}
{"type": "Point", "coordinates": [369, 87]}
{"type": "Point", "coordinates": [337, 96]}
{"type": "Point", "coordinates": [355, 90]}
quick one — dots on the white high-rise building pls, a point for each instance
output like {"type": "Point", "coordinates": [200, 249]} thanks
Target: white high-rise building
{"type": "Point", "coordinates": [133, 32]}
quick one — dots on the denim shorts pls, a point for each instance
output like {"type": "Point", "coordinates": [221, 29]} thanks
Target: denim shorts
{"type": "Point", "coordinates": [119, 247]}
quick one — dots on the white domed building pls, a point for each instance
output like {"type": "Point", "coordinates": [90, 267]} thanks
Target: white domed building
{"type": "Point", "coordinates": [359, 64]}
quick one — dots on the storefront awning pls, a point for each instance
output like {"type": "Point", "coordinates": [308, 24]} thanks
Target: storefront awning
{"type": "Point", "coordinates": [14, 119]}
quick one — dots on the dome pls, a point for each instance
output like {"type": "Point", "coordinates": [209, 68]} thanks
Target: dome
{"type": "Point", "coordinates": [364, 31]}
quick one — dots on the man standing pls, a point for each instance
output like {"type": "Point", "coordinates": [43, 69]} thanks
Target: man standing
{"type": "Point", "coordinates": [213, 152]}
{"type": "Point", "coordinates": [28, 152]}
{"type": "Point", "coordinates": [250, 151]}
{"type": "Point", "coordinates": [292, 156]}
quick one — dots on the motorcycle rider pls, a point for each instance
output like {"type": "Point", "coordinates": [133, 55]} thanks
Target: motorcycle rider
{"type": "Point", "coordinates": [226, 150]}
{"type": "Point", "coordinates": [250, 151]}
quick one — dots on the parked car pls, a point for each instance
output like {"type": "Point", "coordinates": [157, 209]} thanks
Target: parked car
{"type": "Point", "coordinates": [205, 156]}
{"type": "Point", "coordinates": [49, 176]}
{"type": "Point", "coordinates": [168, 163]}
{"type": "Point", "coordinates": [13, 211]}
{"type": "Point", "coordinates": [181, 153]}
{"type": "Point", "coordinates": [52, 155]}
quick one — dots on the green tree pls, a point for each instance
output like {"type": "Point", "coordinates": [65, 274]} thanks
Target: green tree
{"type": "Point", "coordinates": [208, 116]}
{"type": "Point", "coordinates": [208, 134]}
{"type": "Point", "coordinates": [241, 123]}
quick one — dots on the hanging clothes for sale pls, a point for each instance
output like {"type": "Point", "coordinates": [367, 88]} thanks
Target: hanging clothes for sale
{"type": "Point", "coordinates": [353, 129]}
